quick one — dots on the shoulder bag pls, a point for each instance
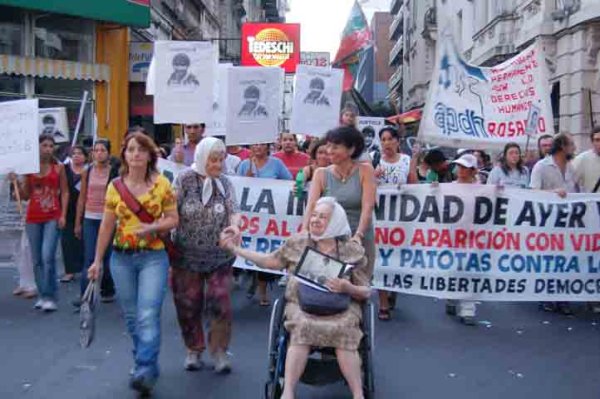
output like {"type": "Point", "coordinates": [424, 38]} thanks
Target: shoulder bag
{"type": "Point", "coordinates": [322, 303]}
{"type": "Point", "coordinates": [145, 217]}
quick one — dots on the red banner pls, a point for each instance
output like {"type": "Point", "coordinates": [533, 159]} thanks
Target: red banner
{"type": "Point", "coordinates": [271, 45]}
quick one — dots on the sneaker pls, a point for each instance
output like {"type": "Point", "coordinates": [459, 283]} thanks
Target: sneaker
{"type": "Point", "coordinates": [193, 361]}
{"type": "Point", "coordinates": [38, 304]}
{"type": "Point", "coordinates": [142, 384]}
{"type": "Point", "coordinates": [49, 306]}
{"type": "Point", "coordinates": [222, 363]}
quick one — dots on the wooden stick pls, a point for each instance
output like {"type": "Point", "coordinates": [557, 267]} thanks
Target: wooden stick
{"type": "Point", "coordinates": [18, 196]}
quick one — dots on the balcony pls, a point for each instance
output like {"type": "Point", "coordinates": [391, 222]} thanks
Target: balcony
{"type": "Point", "coordinates": [396, 53]}
{"type": "Point", "coordinates": [397, 26]}
{"type": "Point", "coordinates": [395, 6]}
{"type": "Point", "coordinates": [396, 78]}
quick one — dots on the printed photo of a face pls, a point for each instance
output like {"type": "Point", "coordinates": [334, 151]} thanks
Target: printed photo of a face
{"type": "Point", "coordinates": [315, 95]}
{"type": "Point", "coordinates": [252, 108]}
{"type": "Point", "coordinates": [369, 135]}
{"type": "Point", "coordinates": [49, 127]}
{"type": "Point", "coordinates": [181, 75]}
{"type": "Point", "coordinates": [318, 268]}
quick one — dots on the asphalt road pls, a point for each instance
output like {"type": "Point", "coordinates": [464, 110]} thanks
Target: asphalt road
{"type": "Point", "coordinates": [515, 352]}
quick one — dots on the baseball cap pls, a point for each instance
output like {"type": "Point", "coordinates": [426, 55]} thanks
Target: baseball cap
{"type": "Point", "coordinates": [467, 160]}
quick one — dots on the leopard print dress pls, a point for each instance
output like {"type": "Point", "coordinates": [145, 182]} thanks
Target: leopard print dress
{"type": "Point", "coordinates": [340, 331]}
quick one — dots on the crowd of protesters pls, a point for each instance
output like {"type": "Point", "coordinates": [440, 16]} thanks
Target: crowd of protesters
{"type": "Point", "coordinates": [102, 237]}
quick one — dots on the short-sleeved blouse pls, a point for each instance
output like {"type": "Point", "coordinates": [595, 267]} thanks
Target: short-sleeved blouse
{"type": "Point", "coordinates": [200, 225]}
{"type": "Point", "coordinates": [337, 331]}
{"type": "Point", "coordinates": [158, 200]}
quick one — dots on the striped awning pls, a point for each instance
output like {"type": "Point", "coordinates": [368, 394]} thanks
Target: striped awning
{"type": "Point", "coordinates": [47, 68]}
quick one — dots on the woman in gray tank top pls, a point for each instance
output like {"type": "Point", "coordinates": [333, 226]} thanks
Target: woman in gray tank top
{"type": "Point", "coordinates": [351, 183]}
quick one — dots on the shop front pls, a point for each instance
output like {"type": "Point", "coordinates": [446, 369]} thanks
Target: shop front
{"type": "Point", "coordinates": [57, 51]}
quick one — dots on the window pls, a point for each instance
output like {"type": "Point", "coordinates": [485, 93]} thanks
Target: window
{"type": "Point", "coordinates": [12, 31]}
{"type": "Point", "coordinates": [63, 38]}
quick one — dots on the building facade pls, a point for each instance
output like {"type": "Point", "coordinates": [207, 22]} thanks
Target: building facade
{"type": "Point", "coordinates": [489, 31]}
{"type": "Point", "coordinates": [57, 51]}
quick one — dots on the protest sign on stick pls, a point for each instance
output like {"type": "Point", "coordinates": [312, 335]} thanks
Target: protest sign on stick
{"type": "Point", "coordinates": [317, 100]}
{"type": "Point", "coordinates": [255, 104]}
{"type": "Point", "coordinates": [19, 133]}
{"type": "Point", "coordinates": [183, 75]}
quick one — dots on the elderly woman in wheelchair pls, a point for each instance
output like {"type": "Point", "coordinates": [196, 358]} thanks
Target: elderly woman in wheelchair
{"type": "Point", "coordinates": [340, 329]}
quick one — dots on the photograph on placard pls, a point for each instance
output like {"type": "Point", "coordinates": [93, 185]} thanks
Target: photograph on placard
{"type": "Point", "coordinates": [53, 121]}
{"type": "Point", "coordinates": [254, 106]}
{"type": "Point", "coordinates": [369, 127]}
{"type": "Point", "coordinates": [184, 75]}
{"type": "Point", "coordinates": [317, 99]}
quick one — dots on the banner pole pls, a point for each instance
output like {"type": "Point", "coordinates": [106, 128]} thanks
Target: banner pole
{"type": "Point", "coordinates": [79, 117]}
{"type": "Point", "coordinates": [18, 197]}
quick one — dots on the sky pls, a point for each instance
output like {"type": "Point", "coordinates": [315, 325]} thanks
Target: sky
{"type": "Point", "coordinates": [322, 21]}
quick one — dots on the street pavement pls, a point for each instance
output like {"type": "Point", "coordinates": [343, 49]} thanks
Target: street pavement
{"type": "Point", "coordinates": [514, 352]}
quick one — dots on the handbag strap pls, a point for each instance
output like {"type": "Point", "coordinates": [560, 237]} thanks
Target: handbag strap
{"type": "Point", "coordinates": [313, 244]}
{"type": "Point", "coordinates": [132, 203]}
{"type": "Point", "coordinates": [597, 185]}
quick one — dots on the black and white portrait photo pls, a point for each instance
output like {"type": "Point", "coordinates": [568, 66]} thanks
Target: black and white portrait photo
{"type": "Point", "coordinates": [317, 268]}
{"type": "Point", "coordinates": [184, 75]}
{"type": "Point", "coordinates": [53, 121]}
{"type": "Point", "coordinates": [252, 107]}
{"type": "Point", "coordinates": [316, 95]}
{"type": "Point", "coordinates": [181, 75]}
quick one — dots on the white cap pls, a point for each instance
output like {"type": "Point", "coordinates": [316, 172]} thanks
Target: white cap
{"type": "Point", "coordinates": [467, 160]}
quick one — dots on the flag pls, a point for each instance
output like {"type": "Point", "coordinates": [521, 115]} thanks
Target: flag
{"type": "Point", "coordinates": [355, 38]}
{"type": "Point", "coordinates": [356, 35]}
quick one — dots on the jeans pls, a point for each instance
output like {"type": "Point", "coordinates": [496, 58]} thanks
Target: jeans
{"type": "Point", "coordinates": [43, 240]}
{"type": "Point", "coordinates": [90, 238]}
{"type": "Point", "coordinates": [141, 282]}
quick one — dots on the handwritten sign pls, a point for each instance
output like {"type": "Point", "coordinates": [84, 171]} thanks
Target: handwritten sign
{"type": "Point", "coordinates": [485, 107]}
{"type": "Point", "coordinates": [19, 131]}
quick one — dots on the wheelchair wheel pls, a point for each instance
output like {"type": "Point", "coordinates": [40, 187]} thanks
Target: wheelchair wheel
{"type": "Point", "coordinates": [277, 348]}
{"type": "Point", "coordinates": [366, 353]}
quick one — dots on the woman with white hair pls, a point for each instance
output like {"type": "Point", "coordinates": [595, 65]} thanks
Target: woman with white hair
{"type": "Point", "coordinates": [201, 276]}
{"type": "Point", "coordinates": [329, 233]}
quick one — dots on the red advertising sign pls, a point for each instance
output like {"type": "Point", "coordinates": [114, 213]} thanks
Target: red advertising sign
{"type": "Point", "coordinates": [271, 45]}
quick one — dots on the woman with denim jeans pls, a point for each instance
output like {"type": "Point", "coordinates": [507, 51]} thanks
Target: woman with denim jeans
{"type": "Point", "coordinates": [90, 207]}
{"type": "Point", "coordinates": [48, 194]}
{"type": "Point", "coordinates": [139, 261]}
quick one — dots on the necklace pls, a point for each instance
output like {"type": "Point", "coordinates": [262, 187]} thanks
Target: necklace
{"type": "Point", "coordinates": [344, 176]}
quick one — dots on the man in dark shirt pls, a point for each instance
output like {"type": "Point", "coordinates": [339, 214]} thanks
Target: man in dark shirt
{"type": "Point", "coordinates": [440, 169]}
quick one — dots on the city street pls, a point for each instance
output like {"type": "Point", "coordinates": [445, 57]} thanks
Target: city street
{"type": "Point", "coordinates": [515, 352]}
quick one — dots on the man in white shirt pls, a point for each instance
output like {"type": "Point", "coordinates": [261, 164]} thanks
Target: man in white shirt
{"type": "Point", "coordinates": [556, 173]}
{"type": "Point", "coordinates": [587, 166]}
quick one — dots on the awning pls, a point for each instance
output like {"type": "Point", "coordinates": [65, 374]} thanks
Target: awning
{"type": "Point", "coordinates": [47, 68]}
{"type": "Point", "coordinates": [407, 117]}
{"type": "Point", "coordinates": [124, 12]}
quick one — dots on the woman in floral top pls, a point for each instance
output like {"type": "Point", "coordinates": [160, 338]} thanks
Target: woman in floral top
{"type": "Point", "coordinates": [139, 261]}
{"type": "Point", "coordinates": [206, 204]}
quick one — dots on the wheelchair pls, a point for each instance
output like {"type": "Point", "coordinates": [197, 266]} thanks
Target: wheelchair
{"type": "Point", "coordinates": [322, 367]}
